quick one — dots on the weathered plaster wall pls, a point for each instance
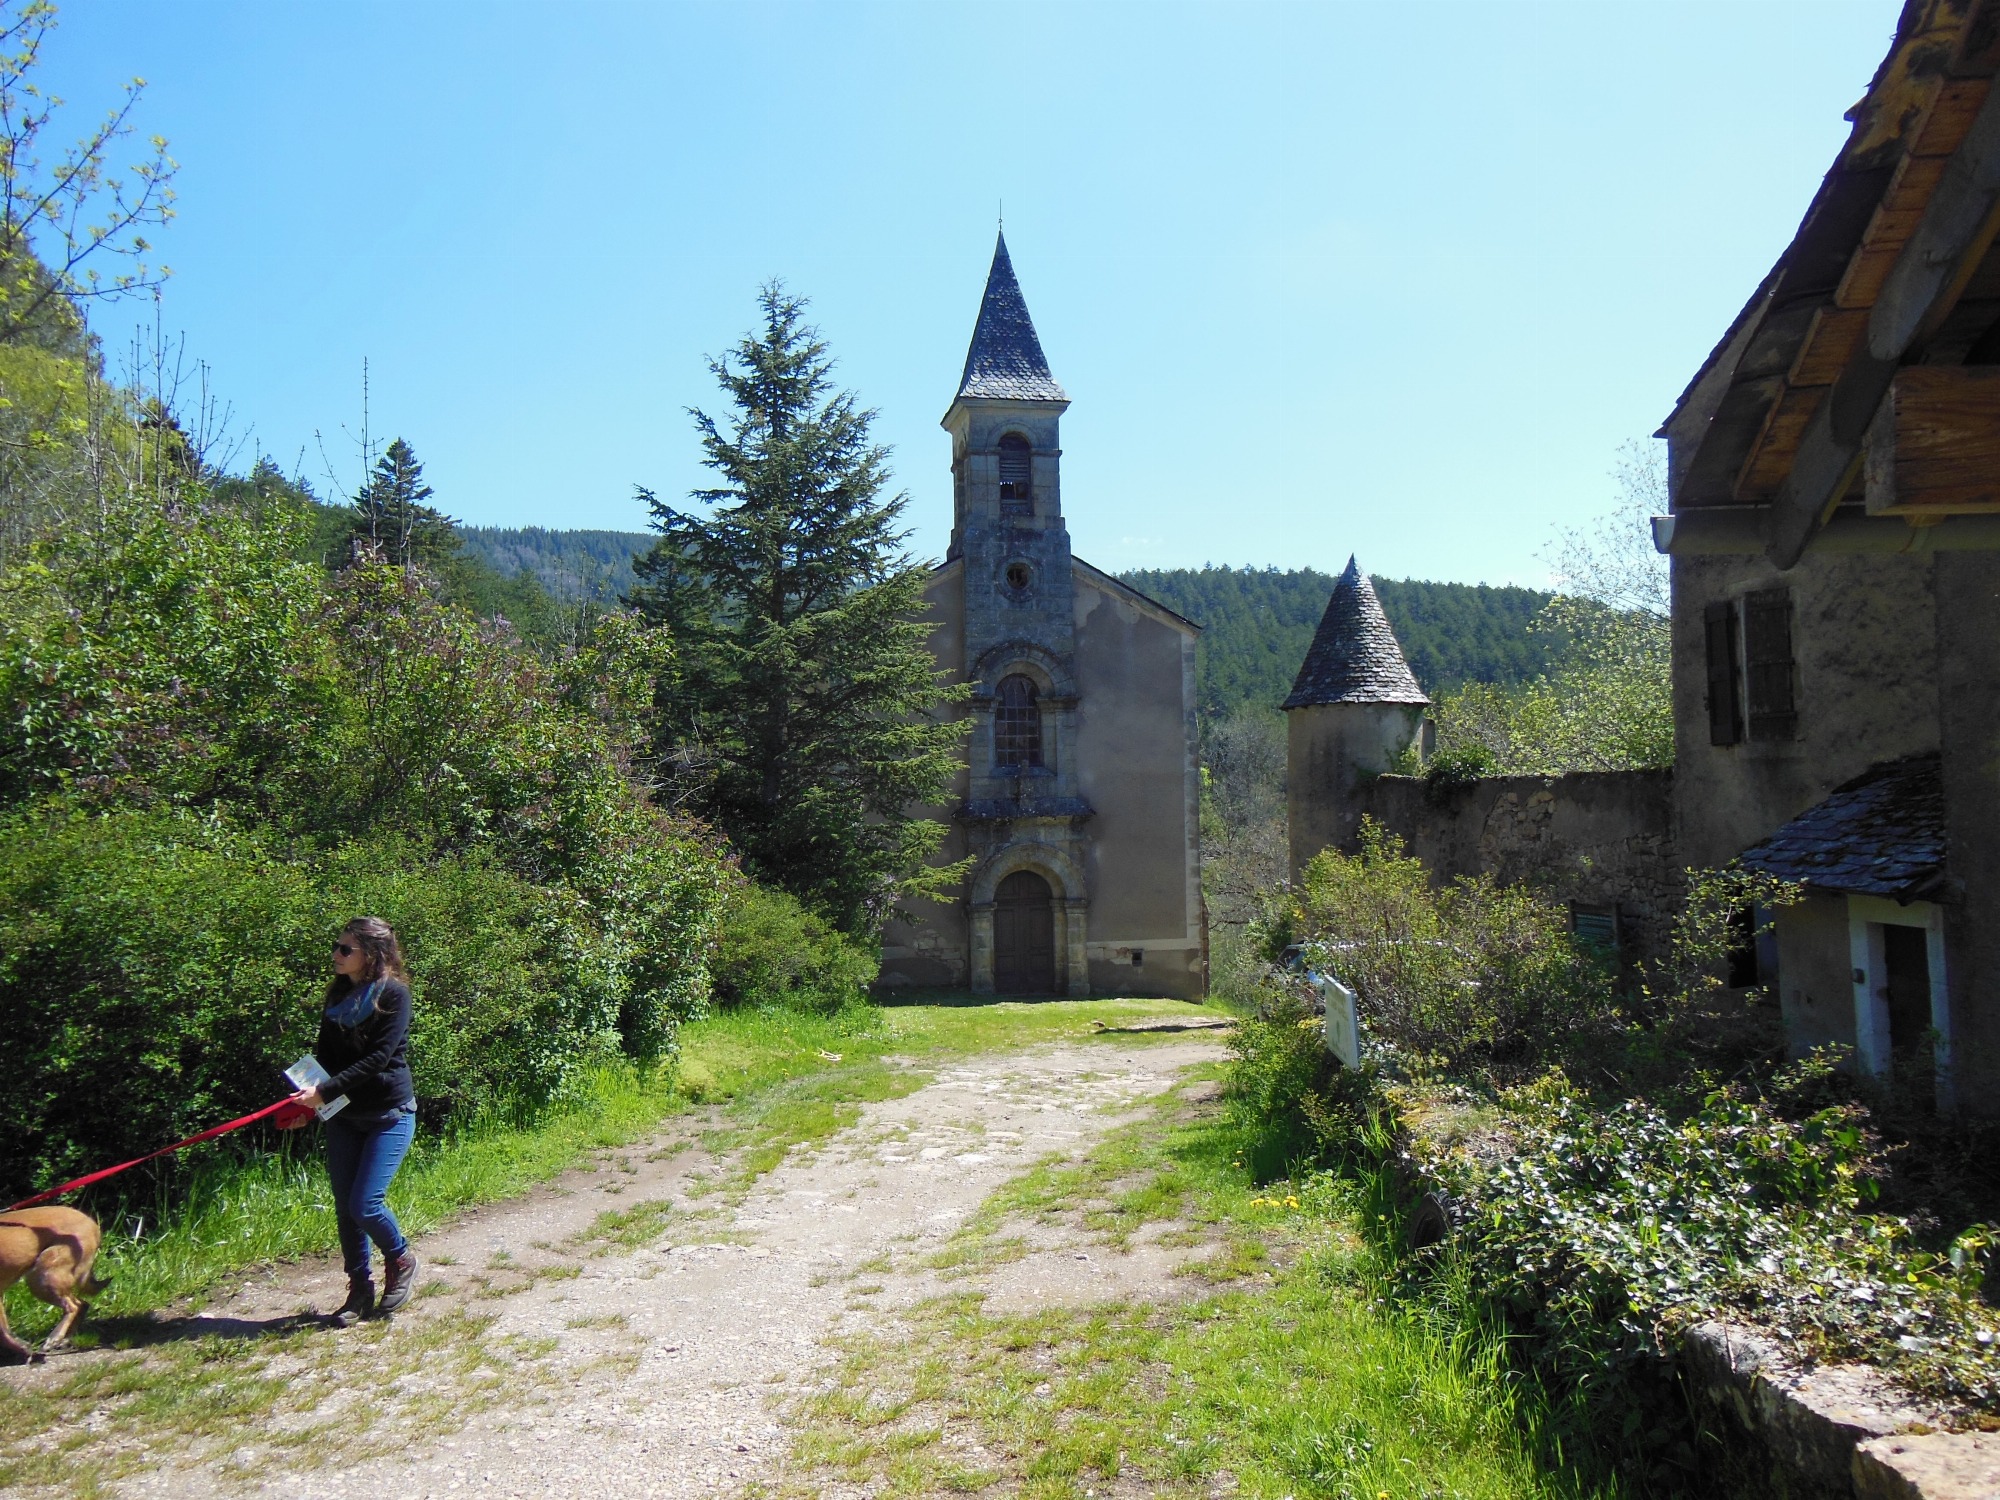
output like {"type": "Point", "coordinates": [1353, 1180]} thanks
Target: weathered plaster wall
{"type": "Point", "coordinates": [1968, 652]}
{"type": "Point", "coordinates": [1331, 750]}
{"type": "Point", "coordinates": [1815, 975]}
{"type": "Point", "coordinates": [1604, 838]}
{"type": "Point", "coordinates": [1136, 758]}
{"type": "Point", "coordinates": [1863, 633]}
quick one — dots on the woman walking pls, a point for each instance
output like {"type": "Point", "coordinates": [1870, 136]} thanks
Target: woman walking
{"type": "Point", "coordinates": [364, 1045]}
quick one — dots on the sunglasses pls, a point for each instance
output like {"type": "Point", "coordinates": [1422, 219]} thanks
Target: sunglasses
{"type": "Point", "coordinates": [345, 950]}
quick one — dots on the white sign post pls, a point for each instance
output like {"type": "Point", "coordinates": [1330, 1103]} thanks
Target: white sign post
{"type": "Point", "coordinates": [1343, 1021]}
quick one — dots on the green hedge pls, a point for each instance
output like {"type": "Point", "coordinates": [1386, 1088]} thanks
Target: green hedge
{"type": "Point", "coordinates": [771, 952]}
{"type": "Point", "coordinates": [159, 969]}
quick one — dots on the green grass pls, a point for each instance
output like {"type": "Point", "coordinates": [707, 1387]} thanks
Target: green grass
{"type": "Point", "coordinates": [1290, 1372]}
{"type": "Point", "coordinates": [776, 1079]}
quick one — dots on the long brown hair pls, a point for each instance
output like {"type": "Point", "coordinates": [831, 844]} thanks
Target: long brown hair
{"type": "Point", "coordinates": [384, 955]}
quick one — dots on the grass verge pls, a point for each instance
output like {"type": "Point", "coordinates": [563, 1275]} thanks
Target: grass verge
{"type": "Point", "coordinates": [1285, 1368]}
{"type": "Point", "coordinates": [777, 1079]}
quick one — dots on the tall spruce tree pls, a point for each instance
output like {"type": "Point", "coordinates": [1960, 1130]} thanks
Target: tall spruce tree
{"type": "Point", "coordinates": [804, 676]}
{"type": "Point", "coordinates": [392, 511]}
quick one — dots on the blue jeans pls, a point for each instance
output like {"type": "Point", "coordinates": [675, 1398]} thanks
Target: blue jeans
{"type": "Point", "coordinates": [362, 1162]}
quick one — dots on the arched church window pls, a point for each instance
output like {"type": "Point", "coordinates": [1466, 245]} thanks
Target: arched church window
{"type": "Point", "coordinates": [1017, 476]}
{"type": "Point", "coordinates": [1017, 723]}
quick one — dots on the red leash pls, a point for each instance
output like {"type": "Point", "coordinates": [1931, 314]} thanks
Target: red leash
{"type": "Point", "coordinates": [125, 1166]}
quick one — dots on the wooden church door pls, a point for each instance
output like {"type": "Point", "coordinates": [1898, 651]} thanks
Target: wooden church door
{"type": "Point", "coordinates": [1024, 936]}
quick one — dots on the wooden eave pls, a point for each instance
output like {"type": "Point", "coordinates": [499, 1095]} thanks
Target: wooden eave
{"type": "Point", "coordinates": [1850, 299]}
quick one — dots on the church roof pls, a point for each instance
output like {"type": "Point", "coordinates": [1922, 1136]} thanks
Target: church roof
{"type": "Point", "coordinates": [1006, 362]}
{"type": "Point", "coordinates": [1354, 656]}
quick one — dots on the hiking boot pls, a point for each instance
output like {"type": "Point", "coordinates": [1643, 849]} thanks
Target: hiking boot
{"type": "Point", "coordinates": [399, 1278]}
{"type": "Point", "coordinates": [359, 1304]}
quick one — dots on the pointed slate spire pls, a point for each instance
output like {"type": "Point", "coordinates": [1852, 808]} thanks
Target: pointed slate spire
{"type": "Point", "coordinates": [1354, 656]}
{"type": "Point", "coordinates": [1005, 361]}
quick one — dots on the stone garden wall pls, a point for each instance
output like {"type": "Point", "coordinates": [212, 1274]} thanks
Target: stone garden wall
{"type": "Point", "coordinates": [1602, 840]}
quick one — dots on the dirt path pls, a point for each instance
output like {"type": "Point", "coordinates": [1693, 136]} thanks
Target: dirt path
{"type": "Point", "coordinates": [554, 1352]}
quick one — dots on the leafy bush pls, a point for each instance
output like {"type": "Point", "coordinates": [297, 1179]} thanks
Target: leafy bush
{"type": "Point", "coordinates": [772, 952]}
{"type": "Point", "coordinates": [1603, 1232]}
{"type": "Point", "coordinates": [1470, 974]}
{"type": "Point", "coordinates": [1460, 765]}
{"type": "Point", "coordinates": [160, 969]}
{"type": "Point", "coordinates": [272, 751]}
{"type": "Point", "coordinates": [1607, 706]}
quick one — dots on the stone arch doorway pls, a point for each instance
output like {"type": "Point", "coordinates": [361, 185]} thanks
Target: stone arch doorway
{"type": "Point", "coordinates": [1024, 935]}
{"type": "Point", "coordinates": [1059, 882]}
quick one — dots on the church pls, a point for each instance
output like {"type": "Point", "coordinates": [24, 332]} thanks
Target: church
{"type": "Point", "coordinates": [1079, 803]}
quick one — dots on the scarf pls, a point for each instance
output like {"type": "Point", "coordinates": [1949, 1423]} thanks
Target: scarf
{"type": "Point", "coordinates": [351, 1009]}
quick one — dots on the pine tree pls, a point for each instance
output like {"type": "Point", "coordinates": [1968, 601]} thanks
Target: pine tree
{"type": "Point", "coordinates": [392, 512]}
{"type": "Point", "coordinates": [804, 680]}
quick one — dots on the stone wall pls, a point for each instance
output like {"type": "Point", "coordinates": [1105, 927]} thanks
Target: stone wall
{"type": "Point", "coordinates": [1598, 838]}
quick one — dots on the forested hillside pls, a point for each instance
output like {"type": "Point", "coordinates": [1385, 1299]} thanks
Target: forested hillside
{"type": "Point", "coordinates": [572, 565]}
{"type": "Point", "coordinates": [1257, 623]}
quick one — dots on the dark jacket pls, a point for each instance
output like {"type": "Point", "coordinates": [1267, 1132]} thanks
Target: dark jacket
{"type": "Point", "coordinates": [364, 1042]}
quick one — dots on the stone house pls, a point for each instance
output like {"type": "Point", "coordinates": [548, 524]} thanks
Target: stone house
{"type": "Point", "coordinates": [1834, 482]}
{"type": "Point", "coordinates": [1079, 802]}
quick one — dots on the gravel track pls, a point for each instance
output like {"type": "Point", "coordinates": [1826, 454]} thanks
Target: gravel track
{"type": "Point", "coordinates": [650, 1371]}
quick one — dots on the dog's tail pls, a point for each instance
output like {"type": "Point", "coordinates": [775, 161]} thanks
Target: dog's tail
{"type": "Point", "coordinates": [94, 1286]}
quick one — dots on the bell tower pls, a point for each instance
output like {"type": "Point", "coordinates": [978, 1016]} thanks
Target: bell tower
{"type": "Point", "coordinates": [1023, 811]}
{"type": "Point", "coordinates": [1006, 468]}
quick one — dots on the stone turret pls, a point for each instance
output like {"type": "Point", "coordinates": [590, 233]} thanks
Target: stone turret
{"type": "Point", "coordinates": [1354, 709]}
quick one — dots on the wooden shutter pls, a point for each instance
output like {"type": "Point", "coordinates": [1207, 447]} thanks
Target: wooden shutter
{"type": "Point", "coordinates": [1767, 654]}
{"type": "Point", "coordinates": [1725, 718]}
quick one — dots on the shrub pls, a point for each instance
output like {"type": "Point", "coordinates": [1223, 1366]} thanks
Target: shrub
{"type": "Point", "coordinates": [214, 755]}
{"type": "Point", "coordinates": [1472, 974]}
{"type": "Point", "coordinates": [159, 969]}
{"type": "Point", "coordinates": [1459, 765]}
{"type": "Point", "coordinates": [772, 952]}
{"type": "Point", "coordinates": [1603, 1232]}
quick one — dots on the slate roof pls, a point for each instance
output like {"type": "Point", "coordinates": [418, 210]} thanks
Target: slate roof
{"type": "Point", "coordinates": [1005, 361]}
{"type": "Point", "coordinates": [1354, 656]}
{"type": "Point", "coordinates": [1882, 834]}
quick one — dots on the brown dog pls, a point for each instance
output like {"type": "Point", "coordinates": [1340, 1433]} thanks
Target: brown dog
{"type": "Point", "coordinates": [53, 1248]}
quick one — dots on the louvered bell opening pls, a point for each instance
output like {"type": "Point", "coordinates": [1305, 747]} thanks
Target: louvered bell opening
{"type": "Point", "coordinates": [1017, 476]}
{"type": "Point", "coordinates": [1017, 723]}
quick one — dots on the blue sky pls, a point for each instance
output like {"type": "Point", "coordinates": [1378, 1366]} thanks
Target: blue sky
{"type": "Point", "coordinates": [1390, 279]}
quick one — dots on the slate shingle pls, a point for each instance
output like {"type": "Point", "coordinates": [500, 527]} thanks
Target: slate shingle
{"type": "Point", "coordinates": [1354, 656]}
{"type": "Point", "coordinates": [1005, 362]}
{"type": "Point", "coordinates": [1882, 834]}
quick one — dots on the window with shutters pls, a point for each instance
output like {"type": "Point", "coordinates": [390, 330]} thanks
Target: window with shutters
{"type": "Point", "coordinates": [1017, 476]}
{"type": "Point", "coordinates": [1017, 723]}
{"type": "Point", "coordinates": [1767, 664]}
{"type": "Point", "coordinates": [1725, 681]}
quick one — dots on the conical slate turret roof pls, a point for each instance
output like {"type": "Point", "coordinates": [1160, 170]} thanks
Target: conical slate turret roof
{"type": "Point", "coordinates": [1005, 361]}
{"type": "Point", "coordinates": [1354, 656]}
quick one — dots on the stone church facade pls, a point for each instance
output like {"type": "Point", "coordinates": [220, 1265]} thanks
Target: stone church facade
{"type": "Point", "coordinates": [1079, 802]}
